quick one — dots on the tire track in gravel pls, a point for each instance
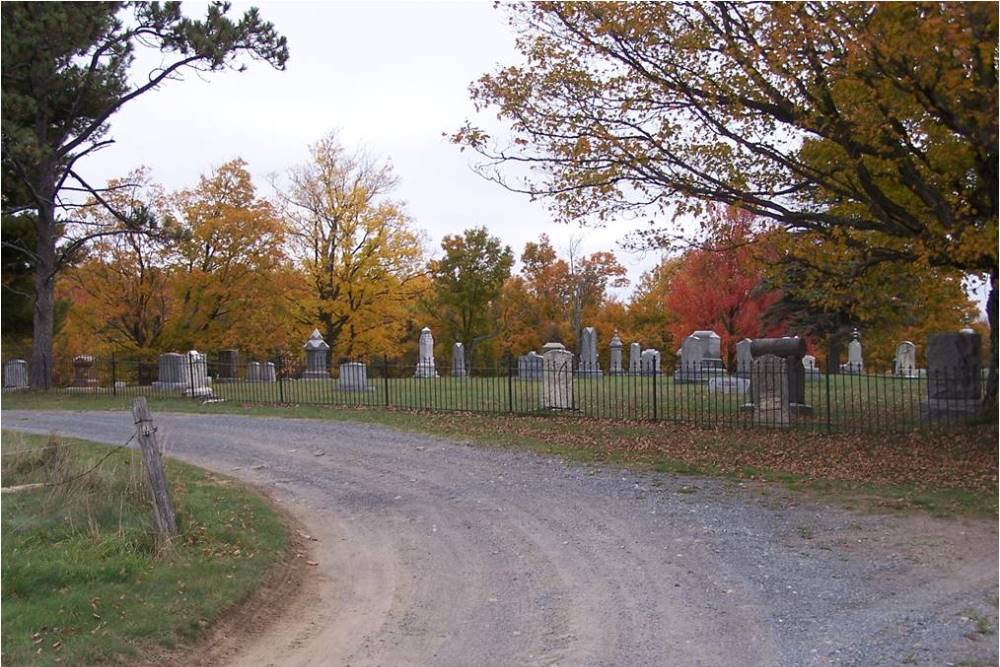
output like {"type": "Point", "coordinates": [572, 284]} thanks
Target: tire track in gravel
{"type": "Point", "coordinates": [434, 552]}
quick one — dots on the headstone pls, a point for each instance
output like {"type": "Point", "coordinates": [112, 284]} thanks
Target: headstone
{"type": "Point", "coordinates": [120, 384]}
{"type": "Point", "coordinates": [905, 362]}
{"type": "Point", "coordinates": [744, 359]}
{"type": "Point", "coordinates": [700, 358]}
{"type": "Point", "coordinates": [254, 372]}
{"type": "Point", "coordinates": [557, 377]}
{"type": "Point", "coordinates": [268, 372]}
{"type": "Point", "coordinates": [589, 365]}
{"type": "Point", "coordinates": [425, 364]}
{"type": "Point", "coordinates": [616, 356]}
{"type": "Point", "coordinates": [529, 366]}
{"type": "Point", "coordinates": [458, 369]}
{"type": "Point", "coordinates": [198, 385]}
{"type": "Point", "coordinates": [729, 385]}
{"type": "Point", "coordinates": [174, 373]}
{"type": "Point", "coordinates": [649, 362]}
{"type": "Point", "coordinates": [15, 374]}
{"type": "Point", "coordinates": [634, 359]}
{"type": "Point", "coordinates": [229, 365]}
{"type": "Point", "coordinates": [83, 371]}
{"type": "Point", "coordinates": [810, 370]}
{"type": "Point", "coordinates": [792, 350]}
{"type": "Point", "coordinates": [769, 391]}
{"type": "Point", "coordinates": [316, 350]}
{"type": "Point", "coordinates": [953, 365]}
{"type": "Point", "coordinates": [855, 361]}
{"type": "Point", "coordinates": [353, 377]}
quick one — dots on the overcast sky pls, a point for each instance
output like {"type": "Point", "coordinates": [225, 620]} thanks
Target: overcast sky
{"type": "Point", "coordinates": [392, 77]}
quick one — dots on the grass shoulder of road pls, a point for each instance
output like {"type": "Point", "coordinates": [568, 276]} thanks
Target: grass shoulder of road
{"type": "Point", "coordinates": [84, 580]}
{"type": "Point", "coordinates": [945, 473]}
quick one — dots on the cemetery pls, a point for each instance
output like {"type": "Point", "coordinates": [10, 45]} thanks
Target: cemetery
{"type": "Point", "coordinates": [774, 383]}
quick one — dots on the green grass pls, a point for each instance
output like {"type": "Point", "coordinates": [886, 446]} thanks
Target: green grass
{"type": "Point", "coordinates": [610, 443]}
{"type": "Point", "coordinates": [839, 402]}
{"type": "Point", "coordinates": [84, 581]}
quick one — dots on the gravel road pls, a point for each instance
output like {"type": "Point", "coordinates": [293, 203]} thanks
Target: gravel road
{"type": "Point", "coordinates": [434, 552]}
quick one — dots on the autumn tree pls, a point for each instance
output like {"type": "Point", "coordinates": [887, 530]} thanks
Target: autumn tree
{"type": "Point", "coordinates": [230, 273]}
{"type": "Point", "coordinates": [871, 124]}
{"type": "Point", "coordinates": [356, 246]}
{"type": "Point", "coordinates": [648, 321]}
{"type": "Point", "coordinates": [66, 71]}
{"type": "Point", "coordinates": [721, 284]}
{"type": "Point", "coordinates": [467, 281]}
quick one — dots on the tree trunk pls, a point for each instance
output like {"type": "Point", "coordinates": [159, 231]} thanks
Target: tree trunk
{"type": "Point", "coordinates": [43, 327]}
{"type": "Point", "coordinates": [990, 396]}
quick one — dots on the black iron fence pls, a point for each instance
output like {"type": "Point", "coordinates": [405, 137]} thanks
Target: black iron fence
{"type": "Point", "coordinates": [773, 396]}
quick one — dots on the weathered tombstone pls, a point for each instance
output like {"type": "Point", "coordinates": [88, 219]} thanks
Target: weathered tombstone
{"type": "Point", "coordinates": [557, 377]}
{"type": "Point", "coordinates": [316, 350]}
{"type": "Point", "coordinates": [616, 356]}
{"type": "Point", "coordinates": [353, 377]}
{"type": "Point", "coordinates": [855, 361]}
{"type": "Point", "coordinates": [634, 359]}
{"type": "Point", "coordinates": [174, 372]}
{"type": "Point", "coordinates": [700, 358]}
{"type": "Point", "coordinates": [254, 372]}
{"type": "Point", "coordinates": [589, 365]}
{"type": "Point", "coordinates": [769, 391]}
{"type": "Point", "coordinates": [905, 362]}
{"type": "Point", "coordinates": [229, 365]}
{"type": "Point", "coordinates": [15, 374]}
{"type": "Point", "coordinates": [198, 380]}
{"type": "Point", "coordinates": [425, 364]}
{"type": "Point", "coordinates": [529, 366]}
{"type": "Point", "coordinates": [649, 363]}
{"type": "Point", "coordinates": [744, 359]}
{"type": "Point", "coordinates": [810, 370]}
{"type": "Point", "coordinates": [268, 372]}
{"type": "Point", "coordinates": [954, 374]}
{"type": "Point", "coordinates": [729, 385]}
{"type": "Point", "coordinates": [83, 371]}
{"type": "Point", "coordinates": [458, 369]}
{"type": "Point", "coordinates": [792, 350]}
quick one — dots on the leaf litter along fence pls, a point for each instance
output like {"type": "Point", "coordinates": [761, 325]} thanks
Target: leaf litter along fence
{"type": "Point", "coordinates": [842, 403]}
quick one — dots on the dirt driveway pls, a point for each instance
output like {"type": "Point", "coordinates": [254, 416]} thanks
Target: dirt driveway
{"type": "Point", "coordinates": [432, 552]}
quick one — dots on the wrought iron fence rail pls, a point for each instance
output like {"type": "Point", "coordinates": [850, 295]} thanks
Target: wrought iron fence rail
{"type": "Point", "coordinates": [763, 398]}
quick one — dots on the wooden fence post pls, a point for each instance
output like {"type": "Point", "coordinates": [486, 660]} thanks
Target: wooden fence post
{"type": "Point", "coordinates": [163, 508]}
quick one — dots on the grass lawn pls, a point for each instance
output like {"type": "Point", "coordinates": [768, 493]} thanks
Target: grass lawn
{"type": "Point", "coordinates": [943, 473]}
{"type": "Point", "coordinates": [840, 403]}
{"type": "Point", "coordinates": [84, 581]}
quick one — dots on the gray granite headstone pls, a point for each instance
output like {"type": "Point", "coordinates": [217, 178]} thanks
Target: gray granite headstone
{"type": "Point", "coordinates": [174, 373]}
{"type": "Point", "coordinates": [458, 369]}
{"type": "Point", "coordinates": [15, 374]}
{"type": "Point", "coordinates": [905, 362]}
{"type": "Point", "coordinates": [557, 377]}
{"type": "Point", "coordinates": [792, 349]}
{"type": "Point", "coordinates": [769, 388]}
{"type": "Point", "coordinates": [353, 377]}
{"type": "Point", "coordinates": [268, 372]}
{"type": "Point", "coordinates": [700, 358]}
{"type": "Point", "coordinates": [589, 365]}
{"type": "Point", "coordinates": [254, 372]}
{"type": "Point", "coordinates": [729, 385]}
{"type": "Point", "coordinates": [316, 350]}
{"type": "Point", "coordinates": [810, 370]}
{"type": "Point", "coordinates": [425, 363]}
{"type": "Point", "coordinates": [953, 365]}
{"type": "Point", "coordinates": [529, 366]}
{"type": "Point", "coordinates": [634, 359]}
{"type": "Point", "coordinates": [855, 360]}
{"type": "Point", "coordinates": [649, 362]}
{"type": "Point", "coordinates": [744, 359]}
{"type": "Point", "coordinates": [616, 356]}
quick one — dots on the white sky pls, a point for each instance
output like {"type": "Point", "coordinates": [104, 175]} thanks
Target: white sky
{"type": "Point", "coordinates": [389, 76]}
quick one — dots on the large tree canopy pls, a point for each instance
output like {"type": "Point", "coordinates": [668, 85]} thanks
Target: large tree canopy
{"type": "Point", "coordinates": [66, 71]}
{"type": "Point", "coordinates": [871, 124]}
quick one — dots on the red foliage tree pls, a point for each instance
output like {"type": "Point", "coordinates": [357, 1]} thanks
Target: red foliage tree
{"type": "Point", "coordinates": [718, 286]}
